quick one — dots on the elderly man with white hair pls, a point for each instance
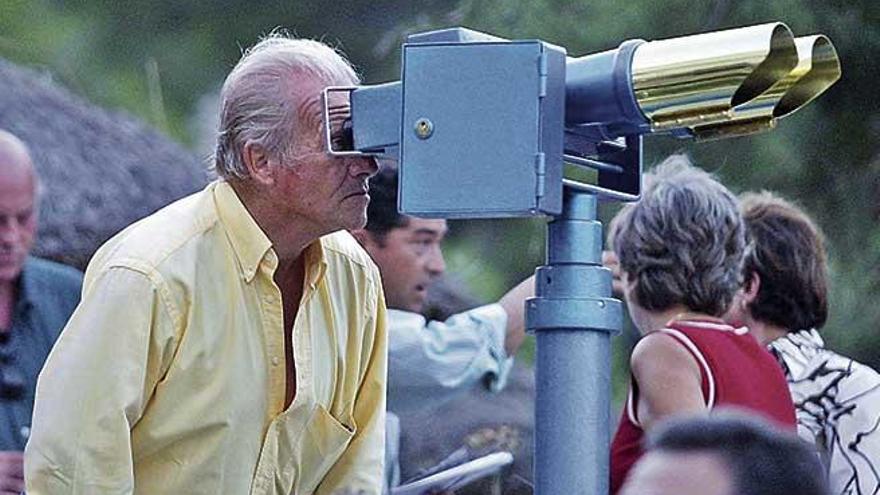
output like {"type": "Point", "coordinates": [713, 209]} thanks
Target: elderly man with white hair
{"type": "Point", "coordinates": [233, 342]}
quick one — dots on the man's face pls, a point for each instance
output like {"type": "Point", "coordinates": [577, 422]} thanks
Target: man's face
{"type": "Point", "coordinates": [679, 473]}
{"type": "Point", "coordinates": [324, 192]}
{"type": "Point", "coordinates": [409, 259]}
{"type": "Point", "coordinates": [18, 217]}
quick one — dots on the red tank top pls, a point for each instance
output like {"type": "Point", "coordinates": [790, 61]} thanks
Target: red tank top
{"type": "Point", "coordinates": [735, 370]}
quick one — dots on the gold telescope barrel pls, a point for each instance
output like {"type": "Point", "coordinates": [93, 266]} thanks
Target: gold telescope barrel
{"type": "Point", "coordinates": [698, 81]}
{"type": "Point", "coordinates": [817, 70]}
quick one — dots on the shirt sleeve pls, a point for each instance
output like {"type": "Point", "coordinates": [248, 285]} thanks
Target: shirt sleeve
{"type": "Point", "coordinates": [431, 363]}
{"type": "Point", "coordinates": [853, 434]}
{"type": "Point", "coordinates": [95, 385]}
{"type": "Point", "coordinates": [360, 469]}
{"type": "Point", "coordinates": [392, 451]}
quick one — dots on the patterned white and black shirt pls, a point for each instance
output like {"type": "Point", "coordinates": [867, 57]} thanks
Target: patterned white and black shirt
{"type": "Point", "coordinates": [838, 409]}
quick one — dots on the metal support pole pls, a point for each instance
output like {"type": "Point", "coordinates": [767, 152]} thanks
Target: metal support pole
{"type": "Point", "coordinates": [573, 317]}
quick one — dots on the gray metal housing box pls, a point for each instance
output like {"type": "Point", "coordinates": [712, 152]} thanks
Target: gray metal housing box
{"type": "Point", "coordinates": [496, 112]}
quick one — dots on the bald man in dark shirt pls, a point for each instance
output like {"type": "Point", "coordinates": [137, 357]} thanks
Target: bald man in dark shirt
{"type": "Point", "coordinates": [36, 299]}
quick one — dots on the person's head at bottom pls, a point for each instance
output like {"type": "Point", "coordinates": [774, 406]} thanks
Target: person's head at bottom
{"type": "Point", "coordinates": [728, 453]}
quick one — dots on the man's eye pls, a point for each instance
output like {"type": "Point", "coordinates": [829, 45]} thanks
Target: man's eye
{"type": "Point", "coordinates": [23, 218]}
{"type": "Point", "coordinates": [342, 143]}
{"type": "Point", "coordinates": [422, 246]}
{"type": "Point", "coordinates": [343, 140]}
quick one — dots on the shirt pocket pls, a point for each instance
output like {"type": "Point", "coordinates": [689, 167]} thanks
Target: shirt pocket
{"type": "Point", "coordinates": [325, 439]}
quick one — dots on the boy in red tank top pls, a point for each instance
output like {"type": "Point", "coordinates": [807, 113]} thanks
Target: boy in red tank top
{"type": "Point", "coordinates": [681, 250]}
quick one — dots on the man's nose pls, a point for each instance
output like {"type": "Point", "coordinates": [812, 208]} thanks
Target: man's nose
{"type": "Point", "coordinates": [363, 166]}
{"type": "Point", "coordinates": [9, 229]}
{"type": "Point", "coordinates": [436, 265]}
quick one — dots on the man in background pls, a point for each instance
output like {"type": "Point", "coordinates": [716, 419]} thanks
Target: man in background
{"type": "Point", "coordinates": [36, 299]}
{"type": "Point", "coordinates": [432, 362]}
{"type": "Point", "coordinates": [234, 341]}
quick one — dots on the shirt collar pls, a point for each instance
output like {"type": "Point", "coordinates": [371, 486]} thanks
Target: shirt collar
{"type": "Point", "coordinates": [796, 349]}
{"type": "Point", "coordinates": [696, 317]}
{"type": "Point", "coordinates": [26, 293]}
{"type": "Point", "coordinates": [315, 263]}
{"type": "Point", "coordinates": [402, 314]}
{"type": "Point", "coordinates": [252, 245]}
{"type": "Point", "coordinates": [248, 240]}
{"type": "Point", "coordinates": [706, 322]}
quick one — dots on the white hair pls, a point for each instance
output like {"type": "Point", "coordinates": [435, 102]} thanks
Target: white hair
{"type": "Point", "coordinates": [256, 105]}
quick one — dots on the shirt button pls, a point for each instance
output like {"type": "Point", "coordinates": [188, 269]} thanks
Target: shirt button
{"type": "Point", "coordinates": [276, 361]}
{"type": "Point", "coordinates": [25, 432]}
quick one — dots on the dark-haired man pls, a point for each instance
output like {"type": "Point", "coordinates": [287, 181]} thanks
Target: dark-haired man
{"type": "Point", "coordinates": [430, 363]}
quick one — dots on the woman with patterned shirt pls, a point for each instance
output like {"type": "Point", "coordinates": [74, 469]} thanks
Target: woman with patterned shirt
{"type": "Point", "coordinates": [784, 302]}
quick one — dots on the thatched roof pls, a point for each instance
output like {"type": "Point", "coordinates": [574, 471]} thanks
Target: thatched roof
{"type": "Point", "coordinates": [100, 170]}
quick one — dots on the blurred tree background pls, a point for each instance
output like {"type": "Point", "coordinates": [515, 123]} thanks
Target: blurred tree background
{"type": "Point", "coordinates": [164, 61]}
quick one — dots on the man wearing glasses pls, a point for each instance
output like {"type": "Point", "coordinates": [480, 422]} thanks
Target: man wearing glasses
{"type": "Point", "coordinates": [36, 299]}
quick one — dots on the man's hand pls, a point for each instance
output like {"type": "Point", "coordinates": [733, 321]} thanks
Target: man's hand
{"type": "Point", "coordinates": [11, 472]}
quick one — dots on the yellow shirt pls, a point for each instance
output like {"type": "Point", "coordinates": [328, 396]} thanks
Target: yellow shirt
{"type": "Point", "coordinates": [170, 376]}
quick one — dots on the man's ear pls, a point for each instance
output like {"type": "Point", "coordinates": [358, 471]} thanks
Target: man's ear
{"type": "Point", "coordinates": [751, 287]}
{"type": "Point", "coordinates": [257, 161]}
